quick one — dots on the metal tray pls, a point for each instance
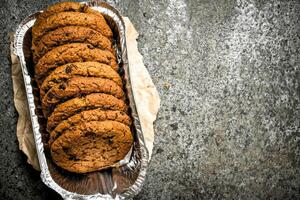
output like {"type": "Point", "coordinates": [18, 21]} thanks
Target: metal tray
{"type": "Point", "coordinates": [126, 178]}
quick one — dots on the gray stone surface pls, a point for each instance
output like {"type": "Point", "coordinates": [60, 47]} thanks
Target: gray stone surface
{"type": "Point", "coordinates": [228, 76]}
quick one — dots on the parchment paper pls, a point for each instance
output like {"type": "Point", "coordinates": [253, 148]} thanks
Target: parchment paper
{"type": "Point", "coordinates": [145, 94]}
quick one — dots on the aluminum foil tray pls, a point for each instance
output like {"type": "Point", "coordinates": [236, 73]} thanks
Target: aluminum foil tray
{"type": "Point", "coordinates": [126, 178]}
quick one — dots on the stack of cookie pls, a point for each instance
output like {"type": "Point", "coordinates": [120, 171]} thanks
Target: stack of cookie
{"type": "Point", "coordinates": [80, 89]}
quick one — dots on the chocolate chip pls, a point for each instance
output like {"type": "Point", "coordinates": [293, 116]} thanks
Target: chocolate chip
{"type": "Point", "coordinates": [54, 81]}
{"type": "Point", "coordinates": [62, 86]}
{"type": "Point", "coordinates": [50, 95]}
{"type": "Point", "coordinates": [83, 8]}
{"type": "Point", "coordinates": [110, 141]}
{"type": "Point", "coordinates": [90, 46]}
{"type": "Point", "coordinates": [68, 69]}
{"type": "Point", "coordinates": [66, 149]}
{"type": "Point", "coordinates": [73, 157]}
{"type": "Point", "coordinates": [90, 134]}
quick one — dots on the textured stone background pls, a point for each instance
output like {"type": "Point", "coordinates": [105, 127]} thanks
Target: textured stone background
{"type": "Point", "coordinates": [228, 76]}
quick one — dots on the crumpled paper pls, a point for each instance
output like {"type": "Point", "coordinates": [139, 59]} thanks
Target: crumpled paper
{"type": "Point", "coordinates": [144, 91]}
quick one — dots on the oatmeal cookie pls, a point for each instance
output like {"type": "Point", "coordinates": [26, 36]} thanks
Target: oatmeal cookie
{"type": "Point", "coordinates": [88, 102]}
{"type": "Point", "coordinates": [63, 19]}
{"type": "Point", "coordinates": [69, 53]}
{"type": "Point", "coordinates": [87, 116]}
{"type": "Point", "coordinates": [92, 146]}
{"type": "Point", "coordinates": [84, 69]}
{"type": "Point", "coordinates": [70, 34]}
{"type": "Point", "coordinates": [78, 86]}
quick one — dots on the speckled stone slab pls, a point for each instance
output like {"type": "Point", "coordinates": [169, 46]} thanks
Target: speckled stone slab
{"type": "Point", "coordinates": [228, 77]}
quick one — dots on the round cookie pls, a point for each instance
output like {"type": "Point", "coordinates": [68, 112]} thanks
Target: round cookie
{"type": "Point", "coordinates": [70, 34]}
{"type": "Point", "coordinates": [69, 53]}
{"type": "Point", "coordinates": [87, 116]}
{"type": "Point", "coordinates": [65, 7]}
{"type": "Point", "coordinates": [84, 69]}
{"type": "Point", "coordinates": [78, 86]}
{"type": "Point", "coordinates": [88, 102]}
{"type": "Point", "coordinates": [92, 146]}
{"type": "Point", "coordinates": [63, 19]}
